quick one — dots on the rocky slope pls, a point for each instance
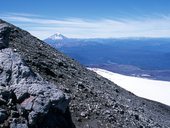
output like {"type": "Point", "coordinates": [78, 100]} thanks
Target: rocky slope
{"type": "Point", "coordinates": [95, 101]}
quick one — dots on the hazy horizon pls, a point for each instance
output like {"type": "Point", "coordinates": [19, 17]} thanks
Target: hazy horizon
{"type": "Point", "coordinates": [90, 19]}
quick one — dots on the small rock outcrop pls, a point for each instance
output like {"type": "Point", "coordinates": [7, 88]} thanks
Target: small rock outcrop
{"type": "Point", "coordinates": [36, 82]}
{"type": "Point", "coordinates": [26, 100]}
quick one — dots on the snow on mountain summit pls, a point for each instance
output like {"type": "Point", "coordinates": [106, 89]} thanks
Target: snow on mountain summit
{"type": "Point", "coordinates": [56, 40]}
{"type": "Point", "coordinates": [57, 36]}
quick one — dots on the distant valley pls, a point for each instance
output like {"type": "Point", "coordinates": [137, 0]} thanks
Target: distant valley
{"type": "Point", "coordinates": [140, 57]}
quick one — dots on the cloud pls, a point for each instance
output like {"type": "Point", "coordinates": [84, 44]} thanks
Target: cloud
{"type": "Point", "coordinates": [43, 27]}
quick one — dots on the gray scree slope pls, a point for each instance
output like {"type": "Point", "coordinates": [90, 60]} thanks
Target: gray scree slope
{"type": "Point", "coordinates": [95, 101]}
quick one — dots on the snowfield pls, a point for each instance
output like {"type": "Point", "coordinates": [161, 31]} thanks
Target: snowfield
{"type": "Point", "coordinates": [151, 89]}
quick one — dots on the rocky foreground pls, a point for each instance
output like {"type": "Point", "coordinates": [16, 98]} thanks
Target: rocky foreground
{"type": "Point", "coordinates": [37, 83]}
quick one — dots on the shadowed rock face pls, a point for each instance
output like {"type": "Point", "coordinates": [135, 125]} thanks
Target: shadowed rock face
{"type": "Point", "coordinates": [95, 101]}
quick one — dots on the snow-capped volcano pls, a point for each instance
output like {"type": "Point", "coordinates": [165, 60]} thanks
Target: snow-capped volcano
{"type": "Point", "coordinates": [57, 36]}
{"type": "Point", "coordinates": [57, 40]}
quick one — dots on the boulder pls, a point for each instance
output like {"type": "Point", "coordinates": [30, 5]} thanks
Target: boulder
{"type": "Point", "coordinates": [27, 92]}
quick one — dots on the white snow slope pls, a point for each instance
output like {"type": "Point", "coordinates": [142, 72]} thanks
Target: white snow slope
{"type": "Point", "coordinates": [150, 89]}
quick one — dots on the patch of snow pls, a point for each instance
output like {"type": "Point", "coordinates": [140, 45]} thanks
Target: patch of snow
{"type": "Point", "coordinates": [57, 36]}
{"type": "Point", "coordinates": [150, 89]}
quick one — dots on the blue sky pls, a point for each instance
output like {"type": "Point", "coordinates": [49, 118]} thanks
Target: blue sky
{"type": "Point", "coordinates": [90, 18]}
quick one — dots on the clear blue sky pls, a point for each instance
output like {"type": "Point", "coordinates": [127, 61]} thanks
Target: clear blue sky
{"type": "Point", "coordinates": [84, 18]}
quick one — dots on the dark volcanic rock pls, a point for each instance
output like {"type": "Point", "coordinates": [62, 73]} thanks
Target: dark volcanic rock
{"type": "Point", "coordinates": [3, 115]}
{"type": "Point", "coordinates": [26, 93]}
{"type": "Point", "coordinates": [96, 102]}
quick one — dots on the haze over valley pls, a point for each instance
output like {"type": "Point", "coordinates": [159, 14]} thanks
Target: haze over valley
{"type": "Point", "coordinates": [140, 57]}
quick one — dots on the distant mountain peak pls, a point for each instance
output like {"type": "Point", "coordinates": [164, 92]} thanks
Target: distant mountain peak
{"type": "Point", "coordinates": [57, 36]}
